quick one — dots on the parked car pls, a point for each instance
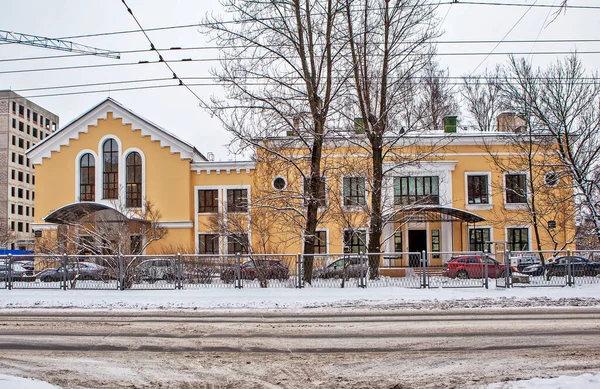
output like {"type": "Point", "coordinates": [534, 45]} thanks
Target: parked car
{"type": "Point", "coordinates": [534, 270]}
{"type": "Point", "coordinates": [79, 270]}
{"type": "Point", "coordinates": [522, 262]}
{"type": "Point", "coordinates": [352, 265]}
{"type": "Point", "coordinates": [18, 272]}
{"type": "Point", "coordinates": [580, 266]}
{"type": "Point", "coordinates": [472, 266]}
{"type": "Point", "coordinates": [270, 269]}
{"type": "Point", "coordinates": [153, 270]}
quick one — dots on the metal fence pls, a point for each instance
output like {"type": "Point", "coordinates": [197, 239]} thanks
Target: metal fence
{"type": "Point", "coordinates": [408, 269]}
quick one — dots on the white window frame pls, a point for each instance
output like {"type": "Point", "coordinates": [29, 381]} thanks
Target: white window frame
{"type": "Point", "coordinates": [123, 162]}
{"type": "Point", "coordinates": [366, 231]}
{"type": "Point", "coordinates": [513, 206]}
{"type": "Point", "coordinates": [518, 226]}
{"type": "Point", "coordinates": [356, 207]}
{"type": "Point", "coordinates": [476, 207]}
{"type": "Point", "coordinates": [491, 228]}
{"type": "Point", "coordinates": [77, 172]}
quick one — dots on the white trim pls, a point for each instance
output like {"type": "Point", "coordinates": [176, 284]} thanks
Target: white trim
{"type": "Point", "coordinates": [480, 207]}
{"type": "Point", "coordinates": [514, 206]}
{"type": "Point", "coordinates": [357, 207]}
{"type": "Point", "coordinates": [366, 231]}
{"type": "Point", "coordinates": [123, 158]}
{"type": "Point", "coordinates": [506, 228]}
{"type": "Point", "coordinates": [43, 226]}
{"type": "Point", "coordinates": [227, 166]}
{"type": "Point", "coordinates": [100, 172]}
{"type": "Point", "coordinates": [77, 171]}
{"type": "Point", "coordinates": [222, 207]}
{"type": "Point", "coordinates": [184, 224]}
{"type": "Point", "coordinates": [91, 118]}
{"type": "Point", "coordinates": [285, 183]}
{"type": "Point", "coordinates": [197, 249]}
{"type": "Point", "coordinates": [491, 228]}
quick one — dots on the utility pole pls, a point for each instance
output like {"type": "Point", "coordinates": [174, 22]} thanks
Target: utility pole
{"type": "Point", "coordinates": [56, 44]}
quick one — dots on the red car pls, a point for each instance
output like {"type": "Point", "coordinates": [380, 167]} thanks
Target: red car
{"type": "Point", "coordinates": [270, 269]}
{"type": "Point", "coordinates": [472, 266]}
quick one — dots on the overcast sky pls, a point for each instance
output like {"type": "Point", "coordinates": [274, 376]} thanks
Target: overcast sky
{"type": "Point", "coordinates": [176, 109]}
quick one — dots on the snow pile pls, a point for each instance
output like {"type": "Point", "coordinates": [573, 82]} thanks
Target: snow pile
{"type": "Point", "coordinates": [285, 298]}
{"type": "Point", "coordinates": [586, 381]}
{"type": "Point", "coordinates": [10, 382]}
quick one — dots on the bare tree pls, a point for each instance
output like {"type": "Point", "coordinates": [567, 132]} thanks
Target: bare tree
{"type": "Point", "coordinates": [281, 76]}
{"type": "Point", "coordinates": [436, 96]}
{"type": "Point", "coordinates": [562, 101]}
{"type": "Point", "coordinates": [7, 236]}
{"type": "Point", "coordinates": [482, 99]}
{"type": "Point", "coordinates": [388, 44]}
{"type": "Point", "coordinates": [108, 233]}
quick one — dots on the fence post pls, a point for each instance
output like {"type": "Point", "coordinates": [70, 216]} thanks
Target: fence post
{"type": "Point", "coordinates": [64, 273]}
{"type": "Point", "coordinates": [300, 269]}
{"type": "Point", "coordinates": [570, 281]}
{"type": "Point", "coordinates": [121, 264]}
{"type": "Point", "coordinates": [179, 272]}
{"type": "Point", "coordinates": [507, 267]}
{"type": "Point", "coordinates": [424, 283]}
{"type": "Point", "coordinates": [238, 271]}
{"type": "Point", "coordinates": [486, 272]}
{"type": "Point", "coordinates": [9, 279]}
{"type": "Point", "coordinates": [361, 273]}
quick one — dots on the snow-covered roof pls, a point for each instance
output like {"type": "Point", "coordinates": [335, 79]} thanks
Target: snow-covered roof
{"type": "Point", "coordinates": [81, 124]}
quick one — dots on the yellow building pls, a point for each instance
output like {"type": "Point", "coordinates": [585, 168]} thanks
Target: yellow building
{"type": "Point", "coordinates": [443, 193]}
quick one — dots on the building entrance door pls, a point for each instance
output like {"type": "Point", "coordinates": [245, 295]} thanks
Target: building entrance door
{"type": "Point", "coordinates": [417, 242]}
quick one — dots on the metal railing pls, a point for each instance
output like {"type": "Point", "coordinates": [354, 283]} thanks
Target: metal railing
{"type": "Point", "coordinates": [405, 269]}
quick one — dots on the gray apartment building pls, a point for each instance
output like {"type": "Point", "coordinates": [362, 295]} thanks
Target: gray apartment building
{"type": "Point", "coordinates": [22, 125]}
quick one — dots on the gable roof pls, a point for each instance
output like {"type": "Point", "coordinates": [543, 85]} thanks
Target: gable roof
{"type": "Point", "coordinates": [80, 125]}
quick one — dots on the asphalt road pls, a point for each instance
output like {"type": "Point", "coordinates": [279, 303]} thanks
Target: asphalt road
{"type": "Point", "coordinates": [346, 349]}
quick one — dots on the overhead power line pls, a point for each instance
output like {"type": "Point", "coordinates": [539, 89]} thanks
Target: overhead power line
{"type": "Point", "coordinates": [186, 60]}
{"type": "Point", "coordinates": [56, 44]}
{"type": "Point", "coordinates": [199, 48]}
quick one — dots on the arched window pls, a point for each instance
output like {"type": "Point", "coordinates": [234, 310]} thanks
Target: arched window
{"type": "Point", "coordinates": [134, 180]}
{"type": "Point", "coordinates": [87, 178]}
{"type": "Point", "coordinates": [110, 172]}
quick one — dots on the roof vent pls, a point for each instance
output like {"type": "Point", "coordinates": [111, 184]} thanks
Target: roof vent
{"type": "Point", "coordinates": [210, 156]}
{"type": "Point", "coordinates": [450, 124]}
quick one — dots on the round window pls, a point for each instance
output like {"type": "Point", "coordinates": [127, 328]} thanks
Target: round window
{"type": "Point", "coordinates": [279, 183]}
{"type": "Point", "coordinates": [551, 178]}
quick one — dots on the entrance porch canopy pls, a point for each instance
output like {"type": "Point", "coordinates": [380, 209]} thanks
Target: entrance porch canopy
{"type": "Point", "coordinates": [433, 212]}
{"type": "Point", "coordinates": [76, 212]}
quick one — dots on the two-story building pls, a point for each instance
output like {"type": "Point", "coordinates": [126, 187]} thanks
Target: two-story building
{"type": "Point", "coordinates": [443, 192]}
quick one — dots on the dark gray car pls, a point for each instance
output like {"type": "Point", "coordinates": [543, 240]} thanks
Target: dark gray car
{"type": "Point", "coordinates": [351, 266]}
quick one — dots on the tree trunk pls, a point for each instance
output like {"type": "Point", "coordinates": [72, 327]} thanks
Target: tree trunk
{"type": "Point", "coordinates": [376, 227]}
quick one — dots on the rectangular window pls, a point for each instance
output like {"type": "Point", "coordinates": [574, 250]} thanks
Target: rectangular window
{"type": "Point", "coordinates": [354, 191]}
{"type": "Point", "coordinates": [21, 142]}
{"type": "Point", "coordinates": [26, 227]}
{"type": "Point", "coordinates": [320, 242]}
{"type": "Point", "coordinates": [209, 244]}
{"type": "Point", "coordinates": [478, 239]}
{"type": "Point", "coordinates": [20, 193]}
{"type": "Point", "coordinates": [20, 159]}
{"type": "Point", "coordinates": [33, 179]}
{"type": "Point", "coordinates": [19, 210]}
{"type": "Point", "coordinates": [28, 113]}
{"type": "Point", "coordinates": [12, 191]}
{"type": "Point", "coordinates": [416, 190]}
{"type": "Point", "coordinates": [518, 239]}
{"type": "Point", "coordinates": [237, 243]}
{"type": "Point", "coordinates": [12, 174]}
{"type": "Point", "coordinates": [516, 188]}
{"type": "Point", "coordinates": [14, 140]}
{"type": "Point", "coordinates": [12, 226]}
{"type": "Point", "coordinates": [20, 226]}
{"type": "Point", "coordinates": [398, 242]}
{"type": "Point", "coordinates": [28, 129]}
{"type": "Point", "coordinates": [355, 241]}
{"type": "Point", "coordinates": [21, 111]}
{"type": "Point", "coordinates": [321, 192]}
{"type": "Point", "coordinates": [208, 201]}
{"type": "Point", "coordinates": [435, 243]}
{"type": "Point", "coordinates": [477, 187]}
{"type": "Point", "coordinates": [12, 208]}
{"type": "Point", "coordinates": [14, 107]}
{"type": "Point", "coordinates": [27, 178]}
{"type": "Point", "coordinates": [14, 124]}
{"type": "Point", "coordinates": [237, 200]}
{"type": "Point", "coordinates": [21, 127]}
{"type": "Point", "coordinates": [35, 117]}
{"type": "Point", "coordinates": [27, 194]}
{"type": "Point", "coordinates": [20, 176]}
{"type": "Point", "coordinates": [35, 132]}
{"type": "Point", "coordinates": [26, 211]}
{"type": "Point", "coordinates": [13, 157]}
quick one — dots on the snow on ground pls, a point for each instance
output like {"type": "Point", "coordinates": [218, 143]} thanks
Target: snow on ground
{"type": "Point", "coordinates": [286, 298]}
{"type": "Point", "coordinates": [10, 382]}
{"type": "Point", "coordinates": [586, 381]}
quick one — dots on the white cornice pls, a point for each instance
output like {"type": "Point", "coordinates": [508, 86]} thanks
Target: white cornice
{"type": "Point", "coordinates": [44, 226]}
{"type": "Point", "coordinates": [226, 166]}
{"type": "Point", "coordinates": [80, 125]}
{"type": "Point", "coordinates": [176, 224]}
